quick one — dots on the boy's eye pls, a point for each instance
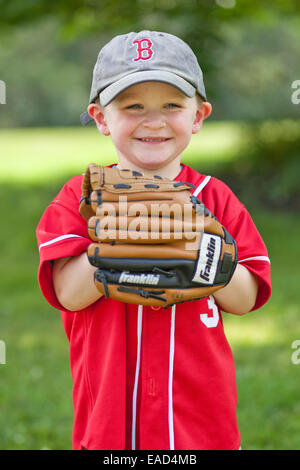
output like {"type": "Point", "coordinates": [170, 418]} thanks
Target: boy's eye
{"type": "Point", "coordinates": [134, 106]}
{"type": "Point", "coordinates": [172, 105]}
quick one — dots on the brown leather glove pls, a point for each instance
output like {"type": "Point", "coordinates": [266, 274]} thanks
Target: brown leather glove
{"type": "Point", "coordinates": [155, 243]}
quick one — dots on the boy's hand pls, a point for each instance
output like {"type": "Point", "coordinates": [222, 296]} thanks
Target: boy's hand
{"type": "Point", "coordinates": [156, 244]}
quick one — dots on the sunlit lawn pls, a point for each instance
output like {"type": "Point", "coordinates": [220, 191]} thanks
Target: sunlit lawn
{"type": "Point", "coordinates": [35, 382]}
{"type": "Point", "coordinates": [39, 154]}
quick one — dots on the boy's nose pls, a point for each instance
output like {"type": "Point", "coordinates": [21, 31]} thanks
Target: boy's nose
{"type": "Point", "coordinates": [154, 121]}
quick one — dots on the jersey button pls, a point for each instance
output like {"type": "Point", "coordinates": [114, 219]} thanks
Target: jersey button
{"type": "Point", "coordinates": [155, 307]}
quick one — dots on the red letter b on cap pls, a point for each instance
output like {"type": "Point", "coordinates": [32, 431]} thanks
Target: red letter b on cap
{"type": "Point", "coordinates": [144, 53]}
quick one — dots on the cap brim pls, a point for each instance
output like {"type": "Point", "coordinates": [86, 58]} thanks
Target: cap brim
{"type": "Point", "coordinates": [110, 92]}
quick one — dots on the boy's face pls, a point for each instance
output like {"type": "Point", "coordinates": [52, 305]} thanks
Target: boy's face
{"type": "Point", "coordinates": [150, 124]}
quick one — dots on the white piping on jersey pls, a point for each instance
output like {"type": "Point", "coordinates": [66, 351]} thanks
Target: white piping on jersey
{"type": "Point", "coordinates": [255, 258]}
{"type": "Point", "coordinates": [71, 235]}
{"type": "Point", "coordinates": [201, 186]}
{"type": "Point", "coordinates": [58, 239]}
{"type": "Point", "coordinates": [170, 380]}
{"type": "Point", "coordinates": [171, 369]}
{"type": "Point", "coordinates": [136, 379]}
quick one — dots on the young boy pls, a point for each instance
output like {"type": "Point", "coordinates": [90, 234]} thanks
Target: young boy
{"type": "Point", "coordinates": [148, 377]}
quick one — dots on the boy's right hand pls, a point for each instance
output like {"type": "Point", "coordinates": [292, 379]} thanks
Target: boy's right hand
{"type": "Point", "coordinates": [156, 244]}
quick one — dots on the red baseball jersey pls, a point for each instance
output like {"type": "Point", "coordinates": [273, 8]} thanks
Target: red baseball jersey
{"type": "Point", "coordinates": [148, 377]}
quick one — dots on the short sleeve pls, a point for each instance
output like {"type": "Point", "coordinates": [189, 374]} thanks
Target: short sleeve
{"type": "Point", "coordinates": [252, 251]}
{"type": "Point", "coordinates": [61, 232]}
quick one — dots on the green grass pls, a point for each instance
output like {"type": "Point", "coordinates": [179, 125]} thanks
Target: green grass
{"type": "Point", "coordinates": [36, 386]}
{"type": "Point", "coordinates": [35, 155]}
{"type": "Point", "coordinates": [268, 381]}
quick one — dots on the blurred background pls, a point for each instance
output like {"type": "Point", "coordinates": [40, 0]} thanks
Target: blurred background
{"type": "Point", "coordinates": [250, 54]}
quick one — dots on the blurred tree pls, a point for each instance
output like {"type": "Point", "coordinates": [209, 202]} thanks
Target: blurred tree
{"type": "Point", "coordinates": [195, 21]}
{"type": "Point", "coordinates": [91, 15]}
{"type": "Point", "coordinates": [47, 83]}
{"type": "Point", "coordinates": [247, 49]}
{"type": "Point", "coordinates": [256, 65]}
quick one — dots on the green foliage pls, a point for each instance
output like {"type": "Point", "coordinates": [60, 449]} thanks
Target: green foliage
{"type": "Point", "coordinates": [264, 167]}
{"type": "Point", "coordinates": [46, 83]}
{"type": "Point", "coordinates": [270, 160]}
{"type": "Point", "coordinates": [83, 15]}
{"type": "Point", "coordinates": [249, 53]}
{"type": "Point", "coordinates": [255, 67]}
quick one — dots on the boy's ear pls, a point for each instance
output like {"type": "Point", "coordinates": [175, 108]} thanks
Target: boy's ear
{"type": "Point", "coordinates": [97, 114]}
{"type": "Point", "coordinates": [201, 114]}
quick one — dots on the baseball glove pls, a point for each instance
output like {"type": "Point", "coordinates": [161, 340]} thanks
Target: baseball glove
{"type": "Point", "coordinates": [154, 242]}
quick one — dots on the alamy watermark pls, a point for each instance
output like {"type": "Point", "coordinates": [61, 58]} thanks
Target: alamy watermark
{"type": "Point", "coordinates": [295, 358]}
{"type": "Point", "coordinates": [295, 97]}
{"type": "Point", "coordinates": [2, 92]}
{"type": "Point", "coordinates": [2, 352]}
{"type": "Point", "coordinates": [162, 222]}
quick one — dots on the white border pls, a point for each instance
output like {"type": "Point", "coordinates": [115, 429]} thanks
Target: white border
{"type": "Point", "coordinates": [201, 186]}
{"type": "Point", "coordinates": [255, 258]}
{"type": "Point", "coordinates": [58, 239]}
{"type": "Point", "coordinates": [136, 379]}
{"type": "Point", "coordinates": [170, 387]}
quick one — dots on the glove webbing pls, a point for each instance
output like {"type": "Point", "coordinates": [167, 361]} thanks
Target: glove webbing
{"type": "Point", "coordinates": [143, 293]}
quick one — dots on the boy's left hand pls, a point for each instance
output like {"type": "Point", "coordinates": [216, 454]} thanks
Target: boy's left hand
{"type": "Point", "coordinates": [174, 250]}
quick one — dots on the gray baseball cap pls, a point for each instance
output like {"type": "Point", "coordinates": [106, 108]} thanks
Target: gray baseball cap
{"type": "Point", "coordinates": [145, 56]}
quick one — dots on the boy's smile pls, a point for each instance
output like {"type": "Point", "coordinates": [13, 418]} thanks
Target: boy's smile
{"type": "Point", "coordinates": [150, 123]}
